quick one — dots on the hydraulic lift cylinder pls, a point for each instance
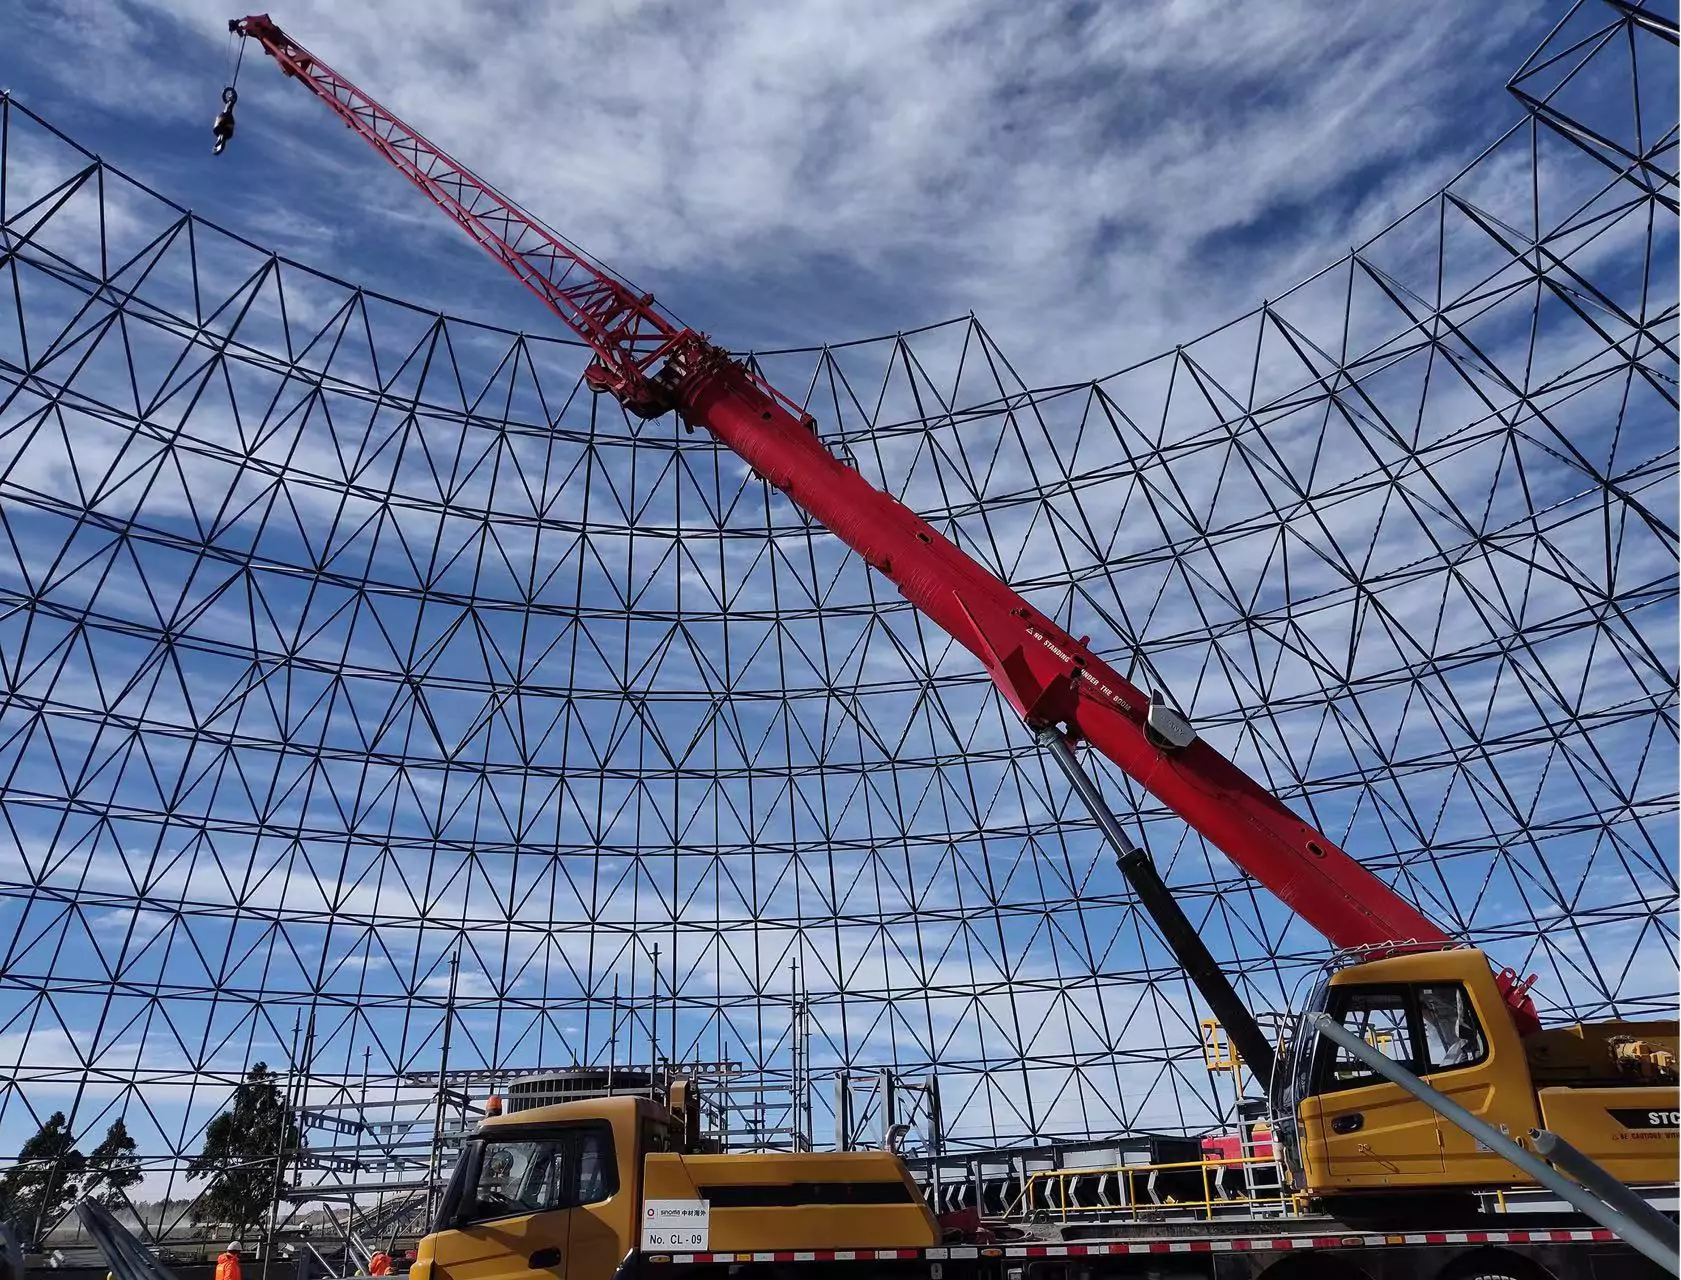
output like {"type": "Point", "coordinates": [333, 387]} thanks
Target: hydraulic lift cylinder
{"type": "Point", "coordinates": [1170, 920]}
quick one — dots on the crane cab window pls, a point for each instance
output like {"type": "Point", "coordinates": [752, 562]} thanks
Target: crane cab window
{"type": "Point", "coordinates": [539, 1173]}
{"type": "Point", "coordinates": [1453, 1037]}
{"type": "Point", "coordinates": [1378, 1015]}
{"type": "Point", "coordinates": [1424, 1027]}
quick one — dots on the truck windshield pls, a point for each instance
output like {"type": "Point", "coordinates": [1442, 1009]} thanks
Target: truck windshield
{"type": "Point", "coordinates": [540, 1172]}
{"type": "Point", "coordinates": [1290, 1081]}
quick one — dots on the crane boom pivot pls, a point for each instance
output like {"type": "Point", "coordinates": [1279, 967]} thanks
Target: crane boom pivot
{"type": "Point", "coordinates": [652, 365]}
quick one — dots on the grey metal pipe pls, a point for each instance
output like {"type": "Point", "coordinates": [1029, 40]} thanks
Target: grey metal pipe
{"type": "Point", "coordinates": [126, 1256]}
{"type": "Point", "coordinates": [1659, 1249]}
{"type": "Point", "coordinates": [1557, 1151]}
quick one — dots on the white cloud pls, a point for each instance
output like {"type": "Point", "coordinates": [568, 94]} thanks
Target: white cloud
{"type": "Point", "coordinates": [1058, 168]}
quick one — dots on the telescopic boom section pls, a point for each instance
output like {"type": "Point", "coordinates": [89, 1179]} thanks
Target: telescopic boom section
{"type": "Point", "coordinates": [652, 366]}
{"type": "Point", "coordinates": [628, 332]}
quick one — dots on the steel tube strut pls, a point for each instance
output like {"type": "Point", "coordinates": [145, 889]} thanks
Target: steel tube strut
{"type": "Point", "coordinates": [1177, 931]}
{"type": "Point", "coordinates": [126, 1256]}
{"type": "Point", "coordinates": [1659, 1249]}
{"type": "Point", "coordinates": [1556, 1151]}
{"type": "Point", "coordinates": [653, 365]}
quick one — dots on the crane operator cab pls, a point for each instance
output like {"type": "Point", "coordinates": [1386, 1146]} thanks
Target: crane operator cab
{"type": "Point", "coordinates": [1346, 1132]}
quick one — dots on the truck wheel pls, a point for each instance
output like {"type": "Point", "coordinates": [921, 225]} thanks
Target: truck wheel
{"type": "Point", "coordinates": [1494, 1270]}
{"type": "Point", "coordinates": [1493, 1264]}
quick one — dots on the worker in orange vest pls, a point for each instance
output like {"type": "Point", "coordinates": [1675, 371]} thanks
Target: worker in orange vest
{"type": "Point", "coordinates": [227, 1262]}
{"type": "Point", "coordinates": [378, 1265]}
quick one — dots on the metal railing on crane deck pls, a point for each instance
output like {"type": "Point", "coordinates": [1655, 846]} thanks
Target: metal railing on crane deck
{"type": "Point", "coordinates": [1143, 1191]}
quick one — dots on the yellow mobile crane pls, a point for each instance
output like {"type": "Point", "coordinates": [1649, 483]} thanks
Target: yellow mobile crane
{"type": "Point", "coordinates": [603, 1188]}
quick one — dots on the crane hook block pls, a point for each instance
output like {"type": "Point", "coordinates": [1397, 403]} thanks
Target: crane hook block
{"type": "Point", "coordinates": [222, 128]}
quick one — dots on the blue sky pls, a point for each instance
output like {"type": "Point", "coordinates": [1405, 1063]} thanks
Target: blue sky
{"type": "Point", "coordinates": [1096, 183]}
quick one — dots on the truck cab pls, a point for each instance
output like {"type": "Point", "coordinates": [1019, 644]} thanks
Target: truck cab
{"type": "Point", "coordinates": [576, 1190]}
{"type": "Point", "coordinates": [1345, 1130]}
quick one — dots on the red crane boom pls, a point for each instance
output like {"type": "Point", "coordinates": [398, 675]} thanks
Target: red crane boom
{"type": "Point", "coordinates": [653, 365]}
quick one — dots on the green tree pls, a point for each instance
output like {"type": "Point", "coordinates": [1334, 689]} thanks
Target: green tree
{"type": "Point", "coordinates": [246, 1151]}
{"type": "Point", "coordinates": [114, 1163]}
{"type": "Point", "coordinates": [37, 1191]}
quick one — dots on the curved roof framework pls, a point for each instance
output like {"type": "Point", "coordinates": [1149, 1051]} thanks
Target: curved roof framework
{"type": "Point", "coordinates": [359, 674]}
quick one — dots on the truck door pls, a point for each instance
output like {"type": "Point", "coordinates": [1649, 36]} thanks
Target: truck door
{"type": "Point", "coordinates": [595, 1237]}
{"type": "Point", "coordinates": [537, 1205]}
{"type": "Point", "coordinates": [1486, 1074]}
{"type": "Point", "coordinates": [1365, 1131]}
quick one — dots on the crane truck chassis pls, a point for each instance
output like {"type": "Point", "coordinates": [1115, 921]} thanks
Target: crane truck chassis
{"type": "Point", "coordinates": [614, 1188]}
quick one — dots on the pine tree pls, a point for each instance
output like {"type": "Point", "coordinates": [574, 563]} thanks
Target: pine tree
{"type": "Point", "coordinates": [246, 1151]}
{"type": "Point", "coordinates": [37, 1191]}
{"type": "Point", "coordinates": [113, 1161]}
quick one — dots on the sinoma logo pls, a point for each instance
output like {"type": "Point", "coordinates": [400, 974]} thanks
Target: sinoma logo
{"type": "Point", "coordinates": [1641, 1118]}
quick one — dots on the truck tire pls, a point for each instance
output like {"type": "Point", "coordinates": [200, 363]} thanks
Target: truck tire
{"type": "Point", "coordinates": [1494, 1269]}
{"type": "Point", "coordinates": [1493, 1264]}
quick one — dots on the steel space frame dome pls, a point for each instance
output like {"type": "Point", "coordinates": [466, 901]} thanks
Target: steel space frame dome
{"type": "Point", "coordinates": [365, 683]}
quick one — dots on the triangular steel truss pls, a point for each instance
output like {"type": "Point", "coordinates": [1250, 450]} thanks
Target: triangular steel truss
{"type": "Point", "coordinates": [339, 639]}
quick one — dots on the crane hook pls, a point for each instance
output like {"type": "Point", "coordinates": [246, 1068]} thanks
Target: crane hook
{"type": "Point", "coordinates": [223, 126]}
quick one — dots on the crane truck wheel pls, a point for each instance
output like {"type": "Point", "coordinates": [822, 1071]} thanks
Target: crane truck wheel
{"type": "Point", "coordinates": [1494, 1264]}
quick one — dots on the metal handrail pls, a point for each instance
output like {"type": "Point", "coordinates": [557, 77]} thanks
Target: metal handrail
{"type": "Point", "coordinates": [1025, 1202]}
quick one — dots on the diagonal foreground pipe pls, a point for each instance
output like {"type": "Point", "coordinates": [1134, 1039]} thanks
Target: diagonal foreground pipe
{"type": "Point", "coordinates": [1660, 1249]}
{"type": "Point", "coordinates": [1556, 1151]}
{"type": "Point", "coordinates": [127, 1257]}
